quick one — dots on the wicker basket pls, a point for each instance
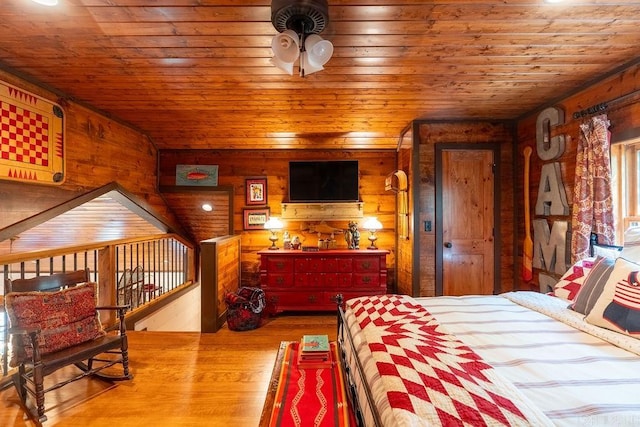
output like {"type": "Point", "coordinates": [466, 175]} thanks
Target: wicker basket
{"type": "Point", "coordinates": [244, 308]}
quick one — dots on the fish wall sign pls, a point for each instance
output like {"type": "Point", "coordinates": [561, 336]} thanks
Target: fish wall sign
{"type": "Point", "coordinates": [198, 175]}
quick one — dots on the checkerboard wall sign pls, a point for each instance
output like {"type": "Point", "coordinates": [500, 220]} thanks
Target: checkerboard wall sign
{"type": "Point", "coordinates": [31, 137]}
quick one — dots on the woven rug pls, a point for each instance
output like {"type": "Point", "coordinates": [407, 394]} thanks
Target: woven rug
{"type": "Point", "coordinates": [305, 397]}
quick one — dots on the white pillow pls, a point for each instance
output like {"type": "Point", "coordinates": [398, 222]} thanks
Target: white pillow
{"type": "Point", "coordinates": [607, 251]}
{"type": "Point", "coordinates": [631, 249]}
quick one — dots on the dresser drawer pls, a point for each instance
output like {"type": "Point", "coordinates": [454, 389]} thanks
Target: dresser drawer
{"type": "Point", "coordinates": [364, 280]}
{"type": "Point", "coordinates": [276, 264]}
{"type": "Point", "coordinates": [309, 280]}
{"type": "Point", "coordinates": [338, 264]}
{"type": "Point", "coordinates": [308, 265]}
{"type": "Point", "coordinates": [276, 280]}
{"type": "Point", "coordinates": [337, 280]}
{"type": "Point", "coordinates": [366, 264]}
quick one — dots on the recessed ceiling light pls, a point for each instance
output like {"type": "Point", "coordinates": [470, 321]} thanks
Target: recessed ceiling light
{"type": "Point", "coordinates": [46, 2]}
{"type": "Point", "coordinates": [207, 207]}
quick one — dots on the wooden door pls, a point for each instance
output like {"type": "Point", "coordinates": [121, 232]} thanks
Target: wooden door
{"type": "Point", "coordinates": [467, 178]}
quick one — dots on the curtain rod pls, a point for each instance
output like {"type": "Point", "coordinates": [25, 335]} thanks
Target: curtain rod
{"type": "Point", "coordinates": [603, 106]}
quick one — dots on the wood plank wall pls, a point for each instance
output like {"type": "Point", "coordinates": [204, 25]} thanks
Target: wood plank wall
{"type": "Point", "coordinates": [220, 276]}
{"type": "Point", "coordinates": [94, 141]}
{"type": "Point", "coordinates": [426, 135]}
{"type": "Point", "coordinates": [98, 151]}
{"type": "Point", "coordinates": [625, 124]}
{"type": "Point", "coordinates": [234, 166]}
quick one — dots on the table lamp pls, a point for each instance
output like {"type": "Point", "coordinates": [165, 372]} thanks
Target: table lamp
{"type": "Point", "coordinates": [372, 224]}
{"type": "Point", "coordinates": [273, 224]}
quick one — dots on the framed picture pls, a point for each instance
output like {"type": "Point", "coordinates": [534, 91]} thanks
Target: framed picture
{"type": "Point", "coordinates": [256, 189]}
{"type": "Point", "coordinates": [254, 219]}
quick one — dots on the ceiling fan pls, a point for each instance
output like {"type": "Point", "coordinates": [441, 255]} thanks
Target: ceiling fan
{"type": "Point", "coordinates": [298, 23]}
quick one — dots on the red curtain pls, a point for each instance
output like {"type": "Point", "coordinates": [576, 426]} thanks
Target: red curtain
{"type": "Point", "coordinates": [592, 205]}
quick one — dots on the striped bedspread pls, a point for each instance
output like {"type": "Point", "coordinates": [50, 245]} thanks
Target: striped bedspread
{"type": "Point", "coordinates": [574, 373]}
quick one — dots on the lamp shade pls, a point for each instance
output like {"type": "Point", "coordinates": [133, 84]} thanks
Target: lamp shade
{"type": "Point", "coordinates": [372, 223]}
{"type": "Point", "coordinates": [286, 46]}
{"type": "Point", "coordinates": [318, 50]}
{"type": "Point", "coordinates": [273, 223]}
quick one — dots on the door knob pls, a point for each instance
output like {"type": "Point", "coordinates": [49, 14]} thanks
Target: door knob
{"type": "Point", "coordinates": [447, 244]}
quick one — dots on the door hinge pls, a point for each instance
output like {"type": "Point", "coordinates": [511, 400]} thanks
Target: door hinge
{"type": "Point", "coordinates": [493, 168]}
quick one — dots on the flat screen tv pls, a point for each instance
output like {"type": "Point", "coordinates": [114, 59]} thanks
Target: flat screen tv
{"type": "Point", "coordinates": [323, 181]}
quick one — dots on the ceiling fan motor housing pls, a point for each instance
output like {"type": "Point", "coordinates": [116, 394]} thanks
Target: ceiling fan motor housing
{"type": "Point", "coordinates": [302, 16]}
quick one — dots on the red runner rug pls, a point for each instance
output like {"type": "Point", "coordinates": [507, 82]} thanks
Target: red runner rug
{"type": "Point", "coordinates": [305, 397]}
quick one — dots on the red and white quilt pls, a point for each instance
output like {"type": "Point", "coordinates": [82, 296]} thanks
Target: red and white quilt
{"type": "Point", "coordinates": [426, 376]}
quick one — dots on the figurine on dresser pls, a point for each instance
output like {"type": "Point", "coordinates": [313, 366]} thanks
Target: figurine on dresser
{"type": "Point", "coordinates": [352, 236]}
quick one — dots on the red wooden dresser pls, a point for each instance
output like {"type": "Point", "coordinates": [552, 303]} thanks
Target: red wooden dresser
{"type": "Point", "coordinates": [301, 280]}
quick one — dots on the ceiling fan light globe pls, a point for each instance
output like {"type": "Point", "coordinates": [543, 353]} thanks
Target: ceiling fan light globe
{"type": "Point", "coordinates": [286, 46]}
{"type": "Point", "coordinates": [308, 67]}
{"type": "Point", "coordinates": [287, 67]}
{"type": "Point", "coordinates": [319, 50]}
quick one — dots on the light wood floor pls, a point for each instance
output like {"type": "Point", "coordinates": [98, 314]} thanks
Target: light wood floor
{"type": "Point", "coordinates": [181, 379]}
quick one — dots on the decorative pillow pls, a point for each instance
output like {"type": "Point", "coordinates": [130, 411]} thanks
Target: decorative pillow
{"type": "Point", "coordinates": [571, 281]}
{"type": "Point", "coordinates": [631, 249]}
{"type": "Point", "coordinates": [618, 307]}
{"type": "Point", "coordinates": [607, 251]}
{"type": "Point", "coordinates": [593, 285]}
{"type": "Point", "coordinates": [65, 318]}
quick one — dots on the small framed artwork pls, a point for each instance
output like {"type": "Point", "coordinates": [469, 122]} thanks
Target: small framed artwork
{"type": "Point", "coordinates": [256, 189]}
{"type": "Point", "coordinates": [254, 219]}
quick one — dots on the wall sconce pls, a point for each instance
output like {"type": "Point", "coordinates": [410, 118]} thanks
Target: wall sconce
{"type": "Point", "coordinates": [372, 224]}
{"type": "Point", "coordinates": [273, 224]}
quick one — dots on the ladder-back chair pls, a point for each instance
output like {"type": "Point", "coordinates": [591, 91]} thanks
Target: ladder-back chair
{"type": "Point", "coordinates": [71, 335]}
{"type": "Point", "coordinates": [130, 287]}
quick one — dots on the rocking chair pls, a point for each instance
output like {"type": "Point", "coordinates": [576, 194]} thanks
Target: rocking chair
{"type": "Point", "coordinates": [71, 335]}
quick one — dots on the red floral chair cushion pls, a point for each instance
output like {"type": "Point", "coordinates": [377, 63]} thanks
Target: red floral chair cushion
{"type": "Point", "coordinates": [65, 318]}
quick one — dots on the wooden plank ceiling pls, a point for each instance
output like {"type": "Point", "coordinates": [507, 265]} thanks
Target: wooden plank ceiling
{"type": "Point", "coordinates": [102, 219]}
{"type": "Point", "coordinates": [196, 73]}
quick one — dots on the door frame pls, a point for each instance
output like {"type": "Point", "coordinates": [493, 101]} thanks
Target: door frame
{"type": "Point", "coordinates": [497, 243]}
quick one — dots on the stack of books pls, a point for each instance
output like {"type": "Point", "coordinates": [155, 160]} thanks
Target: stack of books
{"type": "Point", "coordinates": [314, 352]}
